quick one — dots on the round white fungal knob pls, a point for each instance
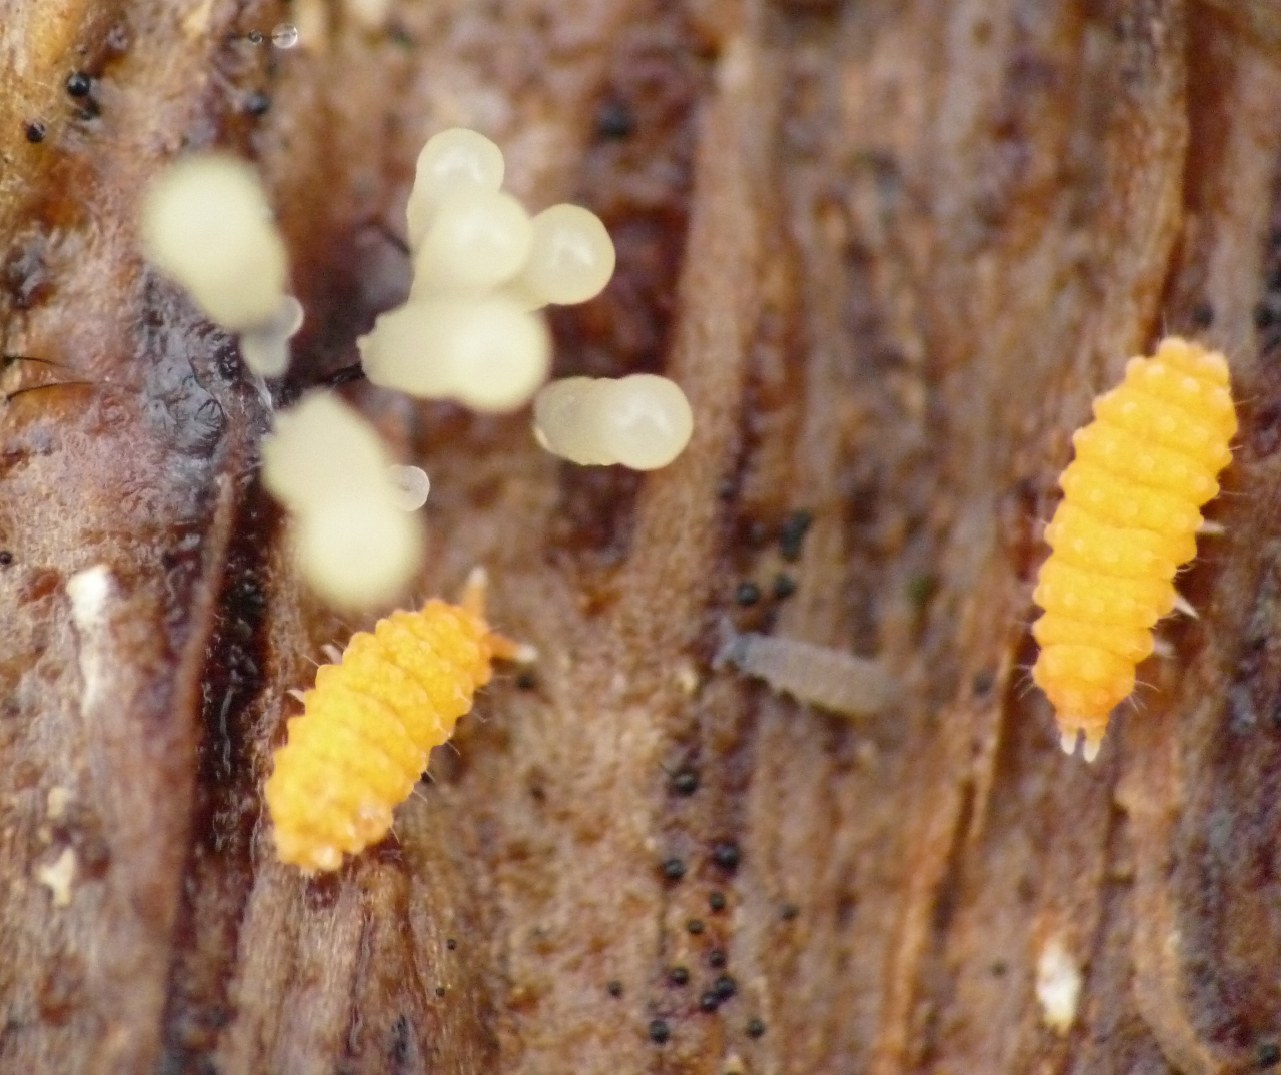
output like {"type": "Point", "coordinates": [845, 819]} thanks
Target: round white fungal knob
{"type": "Point", "coordinates": [487, 353]}
{"type": "Point", "coordinates": [566, 421]}
{"type": "Point", "coordinates": [642, 421]}
{"type": "Point", "coordinates": [358, 551]}
{"type": "Point", "coordinates": [206, 223]}
{"type": "Point", "coordinates": [453, 160]}
{"type": "Point", "coordinates": [321, 450]}
{"type": "Point", "coordinates": [412, 486]}
{"type": "Point", "coordinates": [647, 420]}
{"type": "Point", "coordinates": [571, 256]}
{"type": "Point", "coordinates": [476, 241]}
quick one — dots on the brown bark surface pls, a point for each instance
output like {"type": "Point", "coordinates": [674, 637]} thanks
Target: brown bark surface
{"type": "Point", "coordinates": [891, 248]}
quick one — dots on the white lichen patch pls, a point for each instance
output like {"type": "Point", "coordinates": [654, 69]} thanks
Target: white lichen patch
{"type": "Point", "coordinates": [57, 801]}
{"type": "Point", "coordinates": [58, 875]}
{"type": "Point", "coordinates": [1058, 985]}
{"type": "Point", "coordinates": [89, 591]}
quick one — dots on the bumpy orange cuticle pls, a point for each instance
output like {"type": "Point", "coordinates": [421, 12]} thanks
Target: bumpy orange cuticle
{"type": "Point", "coordinates": [1128, 521]}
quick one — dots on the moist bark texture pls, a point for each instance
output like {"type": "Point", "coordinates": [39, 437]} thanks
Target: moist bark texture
{"type": "Point", "coordinates": [891, 249]}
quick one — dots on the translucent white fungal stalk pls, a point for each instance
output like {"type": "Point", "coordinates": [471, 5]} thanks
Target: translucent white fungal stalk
{"type": "Point", "coordinates": [642, 421]}
{"type": "Point", "coordinates": [206, 223]}
{"type": "Point", "coordinates": [265, 349]}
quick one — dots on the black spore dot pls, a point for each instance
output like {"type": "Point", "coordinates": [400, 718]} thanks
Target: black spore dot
{"type": "Point", "coordinates": [257, 103]}
{"type": "Point", "coordinates": [726, 854]}
{"type": "Point", "coordinates": [678, 976]}
{"type": "Point", "coordinates": [717, 958]}
{"type": "Point", "coordinates": [79, 84]}
{"type": "Point", "coordinates": [790, 912]}
{"type": "Point", "coordinates": [1267, 1055]}
{"type": "Point", "coordinates": [716, 901]}
{"type": "Point", "coordinates": [673, 869]}
{"type": "Point", "coordinates": [725, 986]}
{"type": "Point", "coordinates": [1202, 315]}
{"type": "Point", "coordinates": [6, 558]}
{"type": "Point", "coordinates": [709, 1001]}
{"type": "Point", "coordinates": [747, 594]}
{"type": "Point", "coordinates": [526, 680]}
{"type": "Point", "coordinates": [441, 990]}
{"type": "Point", "coordinates": [695, 926]}
{"type": "Point", "coordinates": [755, 1027]}
{"type": "Point", "coordinates": [784, 587]}
{"type": "Point", "coordinates": [450, 943]}
{"type": "Point", "coordinates": [614, 988]}
{"type": "Point", "coordinates": [659, 1032]}
{"type": "Point", "coordinates": [614, 120]}
{"type": "Point", "coordinates": [982, 683]}
{"type": "Point", "coordinates": [684, 782]}
{"type": "Point", "coordinates": [35, 131]}
{"type": "Point", "coordinates": [792, 534]}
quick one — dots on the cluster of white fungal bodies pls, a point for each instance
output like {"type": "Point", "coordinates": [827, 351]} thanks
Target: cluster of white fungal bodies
{"type": "Point", "coordinates": [483, 268]}
{"type": "Point", "coordinates": [355, 542]}
{"type": "Point", "coordinates": [471, 330]}
{"type": "Point", "coordinates": [206, 223]}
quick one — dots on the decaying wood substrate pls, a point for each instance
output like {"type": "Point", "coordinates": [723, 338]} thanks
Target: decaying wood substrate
{"type": "Point", "coordinates": [891, 248]}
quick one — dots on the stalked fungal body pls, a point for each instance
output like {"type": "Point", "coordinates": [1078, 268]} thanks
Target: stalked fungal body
{"type": "Point", "coordinates": [369, 724]}
{"type": "Point", "coordinates": [1128, 521]}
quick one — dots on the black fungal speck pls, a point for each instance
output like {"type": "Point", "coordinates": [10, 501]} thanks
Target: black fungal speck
{"type": "Point", "coordinates": [673, 869]}
{"type": "Point", "coordinates": [450, 943]}
{"type": "Point", "coordinates": [678, 976]}
{"type": "Point", "coordinates": [726, 854]}
{"type": "Point", "coordinates": [257, 104]}
{"type": "Point", "coordinates": [755, 1027]}
{"type": "Point", "coordinates": [614, 988]}
{"type": "Point", "coordinates": [659, 1032]}
{"type": "Point", "coordinates": [716, 901]}
{"type": "Point", "coordinates": [790, 912]}
{"type": "Point", "coordinates": [1267, 1055]}
{"type": "Point", "coordinates": [725, 986]}
{"type": "Point", "coordinates": [79, 84]}
{"type": "Point", "coordinates": [784, 587]}
{"type": "Point", "coordinates": [614, 120]}
{"type": "Point", "coordinates": [6, 558]}
{"type": "Point", "coordinates": [747, 594]}
{"type": "Point", "coordinates": [709, 1001]}
{"type": "Point", "coordinates": [684, 782]}
{"type": "Point", "coordinates": [717, 958]}
{"type": "Point", "coordinates": [792, 534]}
{"type": "Point", "coordinates": [695, 926]}
{"type": "Point", "coordinates": [35, 131]}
